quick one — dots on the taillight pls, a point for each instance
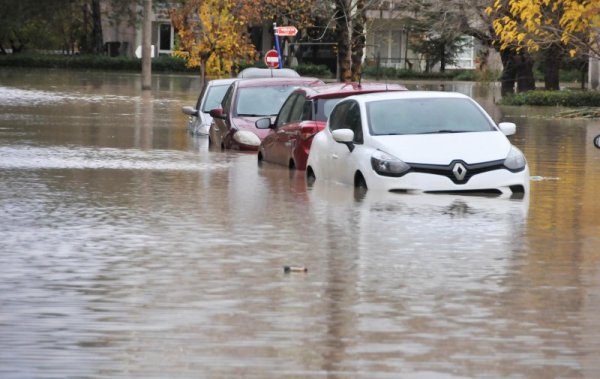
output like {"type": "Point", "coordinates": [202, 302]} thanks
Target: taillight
{"type": "Point", "coordinates": [308, 132]}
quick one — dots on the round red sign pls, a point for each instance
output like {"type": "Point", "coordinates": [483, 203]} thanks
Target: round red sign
{"type": "Point", "coordinates": [272, 59]}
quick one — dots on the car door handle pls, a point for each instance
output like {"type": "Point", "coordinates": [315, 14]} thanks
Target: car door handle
{"type": "Point", "coordinates": [334, 156]}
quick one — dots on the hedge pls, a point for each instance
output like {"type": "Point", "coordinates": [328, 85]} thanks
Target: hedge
{"type": "Point", "coordinates": [94, 62]}
{"type": "Point", "coordinates": [567, 98]}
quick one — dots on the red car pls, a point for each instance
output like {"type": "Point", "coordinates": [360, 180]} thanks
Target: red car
{"type": "Point", "coordinates": [246, 100]}
{"type": "Point", "coordinates": [303, 115]}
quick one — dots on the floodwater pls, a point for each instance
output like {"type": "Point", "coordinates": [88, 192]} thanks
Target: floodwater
{"type": "Point", "coordinates": [128, 249]}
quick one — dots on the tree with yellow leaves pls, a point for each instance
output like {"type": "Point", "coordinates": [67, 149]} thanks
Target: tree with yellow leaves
{"type": "Point", "coordinates": [554, 27]}
{"type": "Point", "coordinates": [212, 35]}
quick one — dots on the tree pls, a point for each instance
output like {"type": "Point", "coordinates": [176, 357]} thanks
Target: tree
{"type": "Point", "coordinates": [556, 28]}
{"type": "Point", "coordinates": [350, 19]}
{"type": "Point", "coordinates": [537, 24]}
{"type": "Point", "coordinates": [212, 35]}
{"type": "Point", "coordinates": [468, 17]}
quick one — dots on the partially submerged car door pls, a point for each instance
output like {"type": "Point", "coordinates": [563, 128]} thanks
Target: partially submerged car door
{"type": "Point", "coordinates": [287, 127]}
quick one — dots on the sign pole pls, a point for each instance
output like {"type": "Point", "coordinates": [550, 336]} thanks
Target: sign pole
{"type": "Point", "coordinates": [277, 44]}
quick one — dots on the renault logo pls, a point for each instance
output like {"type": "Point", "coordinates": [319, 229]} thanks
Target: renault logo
{"type": "Point", "coordinates": [459, 171]}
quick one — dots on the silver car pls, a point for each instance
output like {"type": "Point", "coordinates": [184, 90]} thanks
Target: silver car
{"type": "Point", "coordinates": [209, 98]}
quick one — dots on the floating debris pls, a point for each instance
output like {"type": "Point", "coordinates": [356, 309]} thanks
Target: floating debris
{"type": "Point", "coordinates": [288, 269]}
{"type": "Point", "coordinates": [592, 112]}
{"type": "Point", "coordinates": [536, 178]}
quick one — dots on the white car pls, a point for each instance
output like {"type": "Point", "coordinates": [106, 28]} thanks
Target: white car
{"type": "Point", "coordinates": [418, 142]}
{"type": "Point", "coordinates": [210, 98]}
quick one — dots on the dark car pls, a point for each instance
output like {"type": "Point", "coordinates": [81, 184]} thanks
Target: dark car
{"type": "Point", "coordinates": [303, 115]}
{"type": "Point", "coordinates": [245, 101]}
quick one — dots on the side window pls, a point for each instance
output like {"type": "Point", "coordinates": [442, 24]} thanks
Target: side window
{"type": "Point", "coordinates": [285, 114]}
{"type": "Point", "coordinates": [307, 110]}
{"type": "Point", "coordinates": [296, 114]}
{"type": "Point", "coordinates": [226, 103]}
{"type": "Point", "coordinates": [337, 118]}
{"type": "Point", "coordinates": [353, 122]}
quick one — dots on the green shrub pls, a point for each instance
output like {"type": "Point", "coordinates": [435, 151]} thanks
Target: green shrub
{"type": "Point", "coordinates": [93, 62]}
{"type": "Point", "coordinates": [567, 98]}
{"type": "Point", "coordinates": [309, 69]}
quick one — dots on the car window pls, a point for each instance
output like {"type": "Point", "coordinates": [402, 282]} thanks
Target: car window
{"type": "Point", "coordinates": [286, 110]}
{"type": "Point", "coordinates": [298, 109]}
{"type": "Point", "coordinates": [261, 101]}
{"type": "Point", "coordinates": [213, 97]}
{"type": "Point", "coordinates": [426, 115]}
{"type": "Point", "coordinates": [354, 122]}
{"type": "Point", "coordinates": [226, 102]}
{"type": "Point", "coordinates": [324, 107]}
{"type": "Point", "coordinates": [338, 116]}
{"type": "Point", "coordinates": [307, 110]}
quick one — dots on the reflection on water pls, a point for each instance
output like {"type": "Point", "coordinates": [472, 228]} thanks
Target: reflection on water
{"type": "Point", "coordinates": [131, 250]}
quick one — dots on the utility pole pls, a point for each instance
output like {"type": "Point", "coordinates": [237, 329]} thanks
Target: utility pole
{"type": "Point", "coordinates": [147, 46]}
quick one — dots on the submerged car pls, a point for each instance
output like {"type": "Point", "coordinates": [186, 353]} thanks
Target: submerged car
{"type": "Point", "coordinates": [438, 142]}
{"type": "Point", "coordinates": [303, 115]}
{"type": "Point", "coordinates": [210, 98]}
{"type": "Point", "coordinates": [246, 101]}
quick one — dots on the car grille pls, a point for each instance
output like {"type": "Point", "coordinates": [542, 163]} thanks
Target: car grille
{"type": "Point", "coordinates": [454, 170]}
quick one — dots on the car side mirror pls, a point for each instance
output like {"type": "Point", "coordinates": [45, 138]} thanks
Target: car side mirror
{"type": "Point", "coordinates": [508, 128]}
{"type": "Point", "coordinates": [217, 113]}
{"type": "Point", "coordinates": [190, 111]}
{"type": "Point", "coordinates": [597, 141]}
{"type": "Point", "coordinates": [345, 136]}
{"type": "Point", "coordinates": [263, 123]}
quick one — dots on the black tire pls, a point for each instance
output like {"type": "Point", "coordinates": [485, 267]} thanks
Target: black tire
{"type": "Point", "coordinates": [360, 182]}
{"type": "Point", "coordinates": [310, 176]}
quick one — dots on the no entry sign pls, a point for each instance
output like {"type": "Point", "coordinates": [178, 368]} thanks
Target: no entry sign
{"type": "Point", "coordinates": [272, 59]}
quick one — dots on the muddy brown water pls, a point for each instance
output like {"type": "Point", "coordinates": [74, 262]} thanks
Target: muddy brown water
{"type": "Point", "coordinates": [128, 249]}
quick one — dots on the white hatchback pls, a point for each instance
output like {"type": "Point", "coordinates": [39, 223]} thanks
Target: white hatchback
{"type": "Point", "coordinates": [438, 142]}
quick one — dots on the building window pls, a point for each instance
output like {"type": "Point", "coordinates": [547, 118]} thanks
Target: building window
{"type": "Point", "coordinates": [165, 39]}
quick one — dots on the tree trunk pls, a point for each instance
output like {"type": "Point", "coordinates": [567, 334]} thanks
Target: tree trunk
{"type": "Point", "coordinates": [358, 39]}
{"type": "Point", "coordinates": [525, 79]}
{"type": "Point", "coordinates": [97, 42]}
{"type": "Point", "coordinates": [147, 46]}
{"type": "Point", "coordinates": [442, 58]}
{"type": "Point", "coordinates": [552, 58]}
{"type": "Point", "coordinates": [343, 39]}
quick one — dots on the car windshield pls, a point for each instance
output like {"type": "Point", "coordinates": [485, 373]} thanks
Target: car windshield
{"type": "Point", "coordinates": [261, 101]}
{"type": "Point", "coordinates": [214, 96]}
{"type": "Point", "coordinates": [425, 116]}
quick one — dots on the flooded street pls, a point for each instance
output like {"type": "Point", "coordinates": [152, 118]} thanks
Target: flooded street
{"type": "Point", "coordinates": [130, 250]}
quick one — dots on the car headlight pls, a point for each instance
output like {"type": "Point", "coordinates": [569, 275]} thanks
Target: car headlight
{"type": "Point", "coordinates": [515, 161]}
{"type": "Point", "coordinates": [246, 137]}
{"type": "Point", "coordinates": [388, 165]}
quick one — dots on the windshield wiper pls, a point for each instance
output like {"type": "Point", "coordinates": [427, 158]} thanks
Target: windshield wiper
{"type": "Point", "coordinates": [251, 115]}
{"type": "Point", "coordinates": [445, 131]}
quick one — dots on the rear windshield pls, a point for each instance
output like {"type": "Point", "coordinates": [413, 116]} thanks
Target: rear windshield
{"type": "Point", "coordinates": [325, 106]}
{"type": "Point", "coordinates": [426, 116]}
{"type": "Point", "coordinates": [214, 96]}
{"type": "Point", "coordinates": [261, 101]}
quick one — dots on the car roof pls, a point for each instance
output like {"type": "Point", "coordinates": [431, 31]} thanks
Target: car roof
{"type": "Point", "coordinates": [221, 82]}
{"type": "Point", "coordinates": [330, 90]}
{"type": "Point", "coordinates": [256, 72]}
{"type": "Point", "coordinates": [408, 95]}
{"type": "Point", "coordinates": [261, 82]}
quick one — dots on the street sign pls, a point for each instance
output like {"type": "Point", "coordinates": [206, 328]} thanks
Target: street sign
{"type": "Point", "coordinates": [272, 59]}
{"type": "Point", "coordinates": [286, 31]}
{"type": "Point", "coordinates": [138, 52]}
